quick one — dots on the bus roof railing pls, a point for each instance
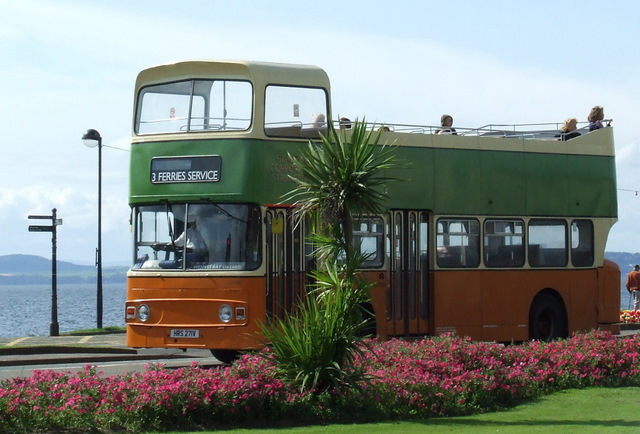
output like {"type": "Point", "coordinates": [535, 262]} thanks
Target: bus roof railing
{"type": "Point", "coordinates": [537, 131]}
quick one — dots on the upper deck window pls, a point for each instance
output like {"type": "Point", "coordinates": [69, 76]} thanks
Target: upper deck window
{"type": "Point", "coordinates": [295, 111]}
{"type": "Point", "coordinates": [194, 105]}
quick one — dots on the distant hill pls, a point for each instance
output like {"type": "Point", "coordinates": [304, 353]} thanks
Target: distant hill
{"type": "Point", "coordinates": [12, 264]}
{"type": "Point", "coordinates": [624, 260]}
{"type": "Point", "coordinates": [31, 270]}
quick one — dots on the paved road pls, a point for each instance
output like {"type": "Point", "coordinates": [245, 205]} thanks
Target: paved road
{"type": "Point", "coordinates": [107, 340]}
{"type": "Point", "coordinates": [19, 357]}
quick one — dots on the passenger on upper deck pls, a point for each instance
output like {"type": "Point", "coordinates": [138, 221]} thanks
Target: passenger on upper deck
{"type": "Point", "coordinates": [595, 118]}
{"type": "Point", "coordinates": [345, 123]}
{"type": "Point", "coordinates": [317, 126]}
{"type": "Point", "coordinates": [319, 121]}
{"type": "Point", "coordinates": [568, 130]}
{"type": "Point", "coordinates": [446, 121]}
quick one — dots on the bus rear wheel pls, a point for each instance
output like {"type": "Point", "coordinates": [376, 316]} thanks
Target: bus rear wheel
{"type": "Point", "coordinates": [547, 320]}
{"type": "Point", "coordinates": [225, 356]}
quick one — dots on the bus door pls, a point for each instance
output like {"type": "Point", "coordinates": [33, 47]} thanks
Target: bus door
{"type": "Point", "coordinates": [409, 285]}
{"type": "Point", "coordinates": [285, 262]}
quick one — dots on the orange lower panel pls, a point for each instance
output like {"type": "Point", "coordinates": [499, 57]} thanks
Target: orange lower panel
{"type": "Point", "coordinates": [234, 338]}
{"type": "Point", "coordinates": [191, 305]}
{"type": "Point", "coordinates": [493, 305]}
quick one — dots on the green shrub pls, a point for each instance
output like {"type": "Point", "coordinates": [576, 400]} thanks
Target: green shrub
{"type": "Point", "coordinates": [314, 348]}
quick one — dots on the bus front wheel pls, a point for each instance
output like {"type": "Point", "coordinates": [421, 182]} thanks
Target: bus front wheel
{"type": "Point", "coordinates": [225, 356]}
{"type": "Point", "coordinates": [547, 320]}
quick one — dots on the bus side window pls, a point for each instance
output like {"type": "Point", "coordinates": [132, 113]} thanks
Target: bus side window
{"type": "Point", "coordinates": [457, 243]}
{"type": "Point", "coordinates": [534, 255]}
{"type": "Point", "coordinates": [550, 236]}
{"type": "Point", "coordinates": [582, 243]}
{"type": "Point", "coordinates": [504, 243]}
{"type": "Point", "coordinates": [368, 233]}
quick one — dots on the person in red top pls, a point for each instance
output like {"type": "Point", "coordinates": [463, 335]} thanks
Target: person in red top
{"type": "Point", "coordinates": [633, 285]}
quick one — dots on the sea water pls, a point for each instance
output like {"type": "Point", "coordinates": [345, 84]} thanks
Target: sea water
{"type": "Point", "coordinates": [25, 310]}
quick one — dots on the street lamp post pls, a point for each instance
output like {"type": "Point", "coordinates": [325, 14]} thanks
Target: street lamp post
{"type": "Point", "coordinates": [92, 138]}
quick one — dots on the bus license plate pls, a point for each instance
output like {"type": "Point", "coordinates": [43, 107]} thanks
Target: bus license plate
{"type": "Point", "coordinates": [185, 333]}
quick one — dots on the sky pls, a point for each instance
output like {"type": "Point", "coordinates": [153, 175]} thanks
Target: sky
{"type": "Point", "coordinates": [70, 65]}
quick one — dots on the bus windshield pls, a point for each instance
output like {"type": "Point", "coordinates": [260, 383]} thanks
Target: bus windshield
{"type": "Point", "coordinates": [194, 105]}
{"type": "Point", "coordinates": [197, 236]}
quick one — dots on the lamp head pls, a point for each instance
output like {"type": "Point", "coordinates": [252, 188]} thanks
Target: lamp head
{"type": "Point", "coordinates": [91, 138]}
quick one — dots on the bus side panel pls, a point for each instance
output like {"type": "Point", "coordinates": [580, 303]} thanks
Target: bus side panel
{"type": "Point", "coordinates": [582, 292]}
{"type": "Point", "coordinates": [505, 305]}
{"type": "Point", "coordinates": [495, 305]}
{"type": "Point", "coordinates": [378, 296]}
{"type": "Point", "coordinates": [609, 297]}
{"type": "Point", "coordinates": [457, 301]}
{"type": "Point", "coordinates": [581, 301]}
{"type": "Point", "coordinates": [509, 296]}
{"type": "Point", "coordinates": [192, 303]}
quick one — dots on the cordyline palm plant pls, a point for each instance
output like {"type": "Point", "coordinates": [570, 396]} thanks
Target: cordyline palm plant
{"type": "Point", "coordinates": [339, 177]}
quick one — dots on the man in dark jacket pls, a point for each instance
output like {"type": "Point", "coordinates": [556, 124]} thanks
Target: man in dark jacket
{"type": "Point", "coordinates": [633, 285]}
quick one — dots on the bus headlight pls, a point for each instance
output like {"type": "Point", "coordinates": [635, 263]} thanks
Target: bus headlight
{"type": "Point", "coordinates": [224, 313]}
{"type": "Point", "coordinates": [143, 312]}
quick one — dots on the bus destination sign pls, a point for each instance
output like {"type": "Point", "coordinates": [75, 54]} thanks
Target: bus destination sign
{"type": "Point", "coordinates": [171, 170]}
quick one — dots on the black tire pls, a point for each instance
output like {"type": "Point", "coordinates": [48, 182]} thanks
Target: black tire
{"type": "Point", "coordinates": [225, 356]}
{"type": "Point", "coordinates": [547, 319]}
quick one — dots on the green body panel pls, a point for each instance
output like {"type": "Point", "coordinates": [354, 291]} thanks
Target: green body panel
{"type": "Point", "coordinates": [445, 180]}
{"type": "Point", "coordinates": [252, 171]}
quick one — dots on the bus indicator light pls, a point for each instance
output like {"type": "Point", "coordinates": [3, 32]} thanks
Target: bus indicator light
{"type": "Point", "coordinates": [240, 313]}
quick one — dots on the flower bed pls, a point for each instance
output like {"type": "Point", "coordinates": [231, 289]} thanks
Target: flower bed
{"type": "Point", "coordinates": [430, 378]}
{"type": "Point", "coordinates": [630, 316]}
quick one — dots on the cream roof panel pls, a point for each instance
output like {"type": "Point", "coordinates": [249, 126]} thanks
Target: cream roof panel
{"type": "Point", "coordinates": [260, 73]}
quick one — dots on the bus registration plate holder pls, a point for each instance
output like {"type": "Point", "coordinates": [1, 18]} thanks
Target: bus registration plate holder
{"type": "Point", "coordinates": [185, 333]}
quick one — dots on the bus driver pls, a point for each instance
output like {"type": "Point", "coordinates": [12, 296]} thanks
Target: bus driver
{"type": "Point", "coordinates": [197, 250]}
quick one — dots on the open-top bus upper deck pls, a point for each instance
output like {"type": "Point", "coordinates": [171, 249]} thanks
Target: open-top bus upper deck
{"type": "Point", "coordinates": [273, 108]}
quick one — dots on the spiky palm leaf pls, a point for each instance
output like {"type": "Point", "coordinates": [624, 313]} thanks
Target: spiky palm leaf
{"type": "Point", "coordinates": [341, 176]}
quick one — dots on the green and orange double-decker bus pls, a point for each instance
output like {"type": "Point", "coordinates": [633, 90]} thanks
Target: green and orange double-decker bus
{"type": "Point", "coordinates": [497, 233]}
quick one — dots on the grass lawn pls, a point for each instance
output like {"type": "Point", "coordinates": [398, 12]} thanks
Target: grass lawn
{"type": "Point", "coordinates": [597, 410]}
